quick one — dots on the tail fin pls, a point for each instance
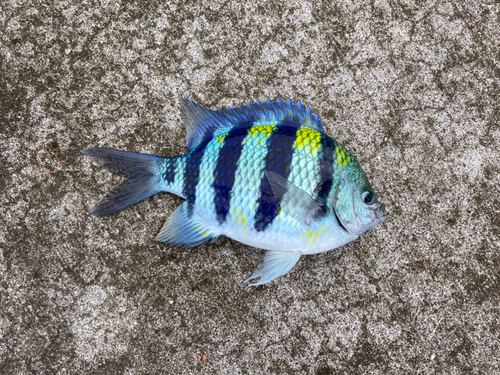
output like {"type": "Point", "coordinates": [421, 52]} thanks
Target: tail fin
{"type": "Point", "coordinates": [141, 172]}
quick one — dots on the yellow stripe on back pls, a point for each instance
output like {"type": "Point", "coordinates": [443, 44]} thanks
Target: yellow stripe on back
{"type": "Point", "coordinates": [220, 137]}
{"type": "Point", "coordinates": [342, 156]}
{"type": "Point", "coordinates": [309, 138]}
{"type": "Point", "coordinates": [263, 129]}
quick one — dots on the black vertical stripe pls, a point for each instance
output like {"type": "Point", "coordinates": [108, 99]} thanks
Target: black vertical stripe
{"type": "Point", "coordinates": [326, 161]}
{"type": "Point", "coordinates": [169, 174]}
{"type": "Point", "coordinates": [192, 174]}
{"type": "Point", "coordinates": [225, 170]}
{"type": "Point", "coordinates": [278, 160]}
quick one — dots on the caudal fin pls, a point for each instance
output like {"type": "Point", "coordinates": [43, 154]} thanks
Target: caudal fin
{"type": "Point", "coordinates": [142, 182]}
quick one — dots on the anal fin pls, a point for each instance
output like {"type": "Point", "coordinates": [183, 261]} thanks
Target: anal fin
{"type": "Point", "coordinates": [272, 265]}
{"type": "Point", "coordinates": [182, 230]}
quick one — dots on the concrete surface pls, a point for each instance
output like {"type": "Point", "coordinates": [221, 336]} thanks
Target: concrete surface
{"type": "Point", "coordinates": [411, 89]}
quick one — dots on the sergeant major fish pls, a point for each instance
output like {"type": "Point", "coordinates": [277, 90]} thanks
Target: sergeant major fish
{"type": "Point", "coordinates": [264, 174]}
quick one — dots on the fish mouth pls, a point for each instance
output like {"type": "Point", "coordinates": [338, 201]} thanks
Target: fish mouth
{"type": "Point", "coordinates": [379, 213]}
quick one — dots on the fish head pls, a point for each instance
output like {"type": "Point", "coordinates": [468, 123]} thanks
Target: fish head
{"type": "Point", "coordinates": [354, 202]}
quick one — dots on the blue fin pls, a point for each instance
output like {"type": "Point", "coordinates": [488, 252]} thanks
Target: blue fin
{"type": "Point", "coordinates": [272, 111]}
{"type": "Point", "coordinates": [201, 122]}
{"type": "Point", "coordinates": [294, 201]}
{"type": "Point", "coordinates": [179, 229]}
{"type": "Point", "coordinates": [272, 265]}
{"type": "Point", "coordinates": [140, 170]}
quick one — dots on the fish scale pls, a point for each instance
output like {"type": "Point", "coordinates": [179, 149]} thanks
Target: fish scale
{"type": "Point", "coordinates": [225, 171]}
{"type": "Point", "coordinates": [304, 170]}
{"type": "Point", "coordinates": [277, 160]}
{"type": "Point", "coordinates": [204, 188]}
{"type": "Point", "coordinates": [248, 174]}
{"type": "Point", "coordinates": [177, 180]}
{"type": "Point", "coordinates": [264, 174]}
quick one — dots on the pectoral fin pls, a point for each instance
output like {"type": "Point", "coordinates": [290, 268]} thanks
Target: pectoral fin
{"type": "Point", "coordinates": [272, 265]}
{"type": "Point", "coordinates": [294, 201]}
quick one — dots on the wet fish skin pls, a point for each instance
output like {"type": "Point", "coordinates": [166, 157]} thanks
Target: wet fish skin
{"type": "Point", "coordinates": [264, 174]}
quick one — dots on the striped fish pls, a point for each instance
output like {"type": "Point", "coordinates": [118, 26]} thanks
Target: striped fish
{"type": "Point", "coordinates": [264, 174]}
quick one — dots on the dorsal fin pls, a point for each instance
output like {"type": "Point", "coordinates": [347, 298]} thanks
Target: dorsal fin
{"type": "Point", "coordinates": [272, 111]}
{"type": "Point", "coordinates": [201, 122]}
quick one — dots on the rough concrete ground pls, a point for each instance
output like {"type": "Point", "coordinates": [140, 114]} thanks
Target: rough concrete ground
{"type": "Point", "coordinates": [411, 88]}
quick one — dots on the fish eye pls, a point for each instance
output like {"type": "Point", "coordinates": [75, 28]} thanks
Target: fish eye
{"type": "Point", "coordinates": [368, 197]}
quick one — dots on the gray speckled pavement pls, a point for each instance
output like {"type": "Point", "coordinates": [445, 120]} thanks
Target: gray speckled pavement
{"type": "Point", "coordinates": [412, 89]}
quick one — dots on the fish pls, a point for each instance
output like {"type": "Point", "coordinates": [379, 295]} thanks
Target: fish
{"type": "Point", "coordinates": [264, 174]}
